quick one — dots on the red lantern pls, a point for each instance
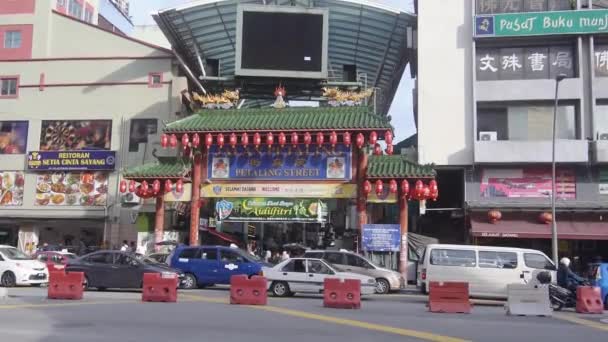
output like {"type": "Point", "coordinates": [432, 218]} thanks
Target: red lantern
{"type": "Point", "coordinates": [307, 138]}
{"type": "Point", "coordinates": [168, 185]}
{"type": "Point", "coordinates": [392, 186]}
{"type": "Point", "coordinates": [173, 141]}
{"type": "Point", "coordinates": [257, 139]}
{"type": "Point", "coordinates": [282, 139]}
{"type": "Point", "coordinates": [164, 141]}
{"type": "Point", "coordinates": [333, 139]}
{"type": "Point", "coordinates": [434, 190]}
{"type": "Point", "coordinates": [220, 140]}
{"type": "Point", "coordinates": [179, 186]}
{"type": "Point", "coordinates": [545, 218]}
{"type": "Point", "coordinates": [244, 140]}
{"type": "Point", "coordinates": [494, 216]}
{"type": "Point", "coordinates": [156, 186]}
{"type": "Point", "coordinates": [208, 140]}
{"type": "Point", "coordinates": [269, 139]}
{"type": "Point", "coordinates": [294, 139]}
{"type": "Point", "coordinates": [347, 141]}
{"type": "Point", "coordinates": [123, 186]}
{"type": "Point", "coordinates": [418, 190]}
{"type": "Point", "coordinates": [389, 149]}
{"type": "Point", "coordinates": [144, 186]}
{"type": "Point", "coordinates": [185, 140]}
{"type": "Point", "coordinates": [373, 137]}
{"type": "Point", "coordinates": [320, 139]}
{"type": "Point", "coordinates": [405, 187]}
{"type": "Point", "coordinates": [196, 140]}
{"type": "Point", "coordinates": [367, 187]}
{"type": "Point", "coordinates": [132, 186]}
{"type": "Point", "coordinates": [379, 187]}
{"type": "Point", "coordinates": [377, 149]}
{"type": "Point", "coordinates": [388, 137]}
{"type": "Point", "coordinates": [426, 193]}
{"type": "Point", "coordinates": [360, 140]}
{"type": "Point", "coordinates": [232, 140]}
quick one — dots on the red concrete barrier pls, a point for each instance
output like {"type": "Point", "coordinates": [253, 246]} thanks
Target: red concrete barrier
{"type": "Point", "coordinates": [159, 287]}
{"type": "Point", "coordinates": [449, 297]}
{"type": "Point", "coordinates": [245, 291]}
{"type": "Point", "coordinates": [52, 267]}
{"type": "Point", "coordinates": [589, 300]}
{"type": "Point", "coordinates": [64, 285]}
{"type": "Point", "coordinates": [342, 294]}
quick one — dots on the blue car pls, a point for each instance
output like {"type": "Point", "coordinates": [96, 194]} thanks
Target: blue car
{"type": "Point", "coordinates": [209, 265]}
{"type": "Point", "coordinates": [599, 278]}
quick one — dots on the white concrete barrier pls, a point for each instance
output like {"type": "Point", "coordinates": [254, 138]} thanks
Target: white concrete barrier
{"type": "Point", "coordinates": [528, 300]}
{"type": "Point", "coordinates": [3, 293]}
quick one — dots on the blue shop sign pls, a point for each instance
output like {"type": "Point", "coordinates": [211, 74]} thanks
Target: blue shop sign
{"type": "Point", "coordinates": [285, 163]}
{"type": "Point", "coordinates": [71, 160]}
{"type": "Point", "coordinates": [381, 237]}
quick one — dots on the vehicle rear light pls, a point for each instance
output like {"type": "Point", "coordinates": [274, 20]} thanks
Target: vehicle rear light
{"type": "Point", "coordinates": [261, 273]}
{"type": "Point", "coordinates": [423, 274]}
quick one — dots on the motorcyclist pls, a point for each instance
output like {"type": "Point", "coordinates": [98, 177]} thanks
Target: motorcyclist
{"type": "Point", "coordinates": [566, 278]}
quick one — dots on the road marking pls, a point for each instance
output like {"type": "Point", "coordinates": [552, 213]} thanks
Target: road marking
{"type": "Point", "coordinates": [573, 319]}
{"type": "Point", "coordinates": [339, 321]}
{"type": "Point", "coordinates": [50, 305]}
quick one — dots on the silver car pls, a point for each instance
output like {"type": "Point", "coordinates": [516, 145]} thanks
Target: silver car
{"type": "Point", "coordinates": [386, 280]}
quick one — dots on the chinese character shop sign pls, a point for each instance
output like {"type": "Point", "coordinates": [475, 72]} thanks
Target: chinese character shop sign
{"type": "Point", "coordinates": [381, 237]}
{"type": "Point", "coordinates": [541, 23]}
{"type": "Point", "coordinates": [71, 160]}
{"type": "Point", "coordinates": [288, 164]}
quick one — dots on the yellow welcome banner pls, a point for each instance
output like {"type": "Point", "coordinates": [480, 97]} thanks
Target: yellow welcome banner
{"type": "Point", "coordinates": [335, 190]}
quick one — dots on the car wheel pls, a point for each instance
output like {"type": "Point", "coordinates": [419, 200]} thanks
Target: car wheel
{"type": "Point", "coordinates": [36, 285]}
{"type": "Point", "coordinates": [423, 288]}
{"type": "Point", "coordinates": [8, 279]}
{"type": "Point", "coordinates": [382, 286]}
{"type": "Point", "coordinates": [189, 281]}
{"type": "Point", "coordinates": [280, 289]}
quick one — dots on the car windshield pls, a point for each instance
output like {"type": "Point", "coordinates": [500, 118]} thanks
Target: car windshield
{"type": "Point", "coordinates": [14, 254]}
{"type": "Point", "coordinates": [70, 256]}
{"type": "Point", "coordinates": [145, 259]}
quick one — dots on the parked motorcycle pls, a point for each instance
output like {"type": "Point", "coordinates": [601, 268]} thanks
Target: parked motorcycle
{"type": "Point", "coordinates": [560, 297]}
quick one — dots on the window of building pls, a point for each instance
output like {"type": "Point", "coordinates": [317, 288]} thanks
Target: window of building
{"type": "Point", "coordinates": [155, 80]}
{"type": "Point", "coordinates": [75, 9]}
{"type": "Point", "coordinates": [141, 129]}
{"type": "Point", "coordinates": [453, 257]}
{"type": "Point", "coordinates": [600, 4]}
{"type": "Point", "coordinates": [61, 3]}
{"type": "Point", "coordinates": [88, 15]}
{"type": "Point", "coordinates": [349, 73]}
{"type": "Point", "coordinates": [12, 39]}
{"type": "Point", "coordinates": [514, 6]}
{"type": "Point", "coordinates": [212, 67]}
{"type": "Point", "coordinates": [601, 121]}
{"type": "Point", "coordinates": [491, 259]}
{"type": "Point", "coordinates": [538, 261]}
{"type": "Point", "coordinates": [519, 122]}
{"type": "Point", "coordinates": [9, 87]}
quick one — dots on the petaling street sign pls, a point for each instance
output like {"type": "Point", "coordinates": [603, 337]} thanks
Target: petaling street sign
{"type": "Point", "coordinates": [303, 163]}
{"type": "Point", "coordinates": [294, 190]}
{"type": "Point", "coordinates": [71, 160]}
{"type": "Point", "coordinates": [541, 23]}
{"type": "Point", "coordinates": [270, 209]}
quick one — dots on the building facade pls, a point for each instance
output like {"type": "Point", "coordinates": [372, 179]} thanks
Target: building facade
{"type": "Point", "coordinates": [78, 103]}
{"type": "Point", "coordinates": [112, 15]}
{"type": "Point", "coordinates": [486, 92]}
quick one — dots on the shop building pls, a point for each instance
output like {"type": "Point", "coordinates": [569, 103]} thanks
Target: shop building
{"type": "Point", "coordinates": [78, 103]}
{"type": "Point", "coordinates": [486, 92]}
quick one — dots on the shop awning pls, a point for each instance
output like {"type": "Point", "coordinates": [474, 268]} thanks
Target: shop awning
{"type": "Point", "coordinates": [396, 166]}
{"type": "Point", "coordinates": [222, 236]}
{"type": "Point", "coordinates": [166, 167]}
{"type": "Point", "coordinates": [286, 119]}
{"type": "Point", "coordinates": [527, 226]}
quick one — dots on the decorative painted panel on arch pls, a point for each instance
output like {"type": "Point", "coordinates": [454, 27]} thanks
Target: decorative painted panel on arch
{"type": "Point", "coordinates": [17, 6]}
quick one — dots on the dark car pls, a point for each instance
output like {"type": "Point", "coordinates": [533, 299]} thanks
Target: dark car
{"type": "Point", "coordinates": [115, 269]}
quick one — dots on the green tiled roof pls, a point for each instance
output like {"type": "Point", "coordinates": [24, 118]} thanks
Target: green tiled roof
{"type": "Point", "coordinates": [397, 166]}
{"type": "Point", "coordinates": [298, 118]}
{"type": "Point", "coordinates": [166, 167]}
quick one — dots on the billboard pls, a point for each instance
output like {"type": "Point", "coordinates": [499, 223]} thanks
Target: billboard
{"type": "Point", "coordinates": [530, 182]}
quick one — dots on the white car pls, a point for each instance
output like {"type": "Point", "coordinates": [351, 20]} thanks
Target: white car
{"type": "Point", "coordinates": [307, 275]}
{"type": "Point", "coordinates": [16, 268]}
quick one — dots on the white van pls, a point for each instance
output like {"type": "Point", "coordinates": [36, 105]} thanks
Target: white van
{"type": "Point", "coordinates": [488, 270]}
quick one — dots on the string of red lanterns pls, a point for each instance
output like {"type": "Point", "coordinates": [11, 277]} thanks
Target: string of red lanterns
{"type": "Point", "coordinates": [145, 191]}
{"type": "Point", "coordinates": [419, 192]}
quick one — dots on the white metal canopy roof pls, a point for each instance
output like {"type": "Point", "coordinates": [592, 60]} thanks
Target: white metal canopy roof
{"type": "Point", "coordinates": [375, 38]}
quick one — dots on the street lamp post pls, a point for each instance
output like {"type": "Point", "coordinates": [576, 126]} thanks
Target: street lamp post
{"type": "Point", "coordinates": [554, 244]}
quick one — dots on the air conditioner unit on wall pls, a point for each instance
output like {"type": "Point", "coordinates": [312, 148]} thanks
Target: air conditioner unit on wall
{"type": "Point", "coordinates": [488, 136]}
{"type": "Point", "coordinates": [603, 136]}
{"type": "Point", "coordinates": [130, 198]}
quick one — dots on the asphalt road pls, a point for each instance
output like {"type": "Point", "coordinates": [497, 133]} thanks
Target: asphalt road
{"type": "Point", "coordinates": [205, 315]}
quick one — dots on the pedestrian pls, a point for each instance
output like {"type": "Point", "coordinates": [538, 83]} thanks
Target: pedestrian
{"type": "Point", "coordinates": [284, 256]}
{"type": "Point", "coordinates": [267, 256]}
{"type": "Point", "coordinates": [125, 246]}
{"type": "Point", "coordinates": [132, 247]}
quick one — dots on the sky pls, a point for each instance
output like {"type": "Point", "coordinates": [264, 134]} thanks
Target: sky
{"type": "Point", "coordinates": [401, 110]}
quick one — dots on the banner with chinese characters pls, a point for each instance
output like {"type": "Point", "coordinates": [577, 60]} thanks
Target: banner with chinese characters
{"type": "Point", "coordinates": [532, 182]}
{"type": "Point", "coordinates": [11, 188]}
{"type": "Point", "coordinates": [541, 23]}
{"type": "Point", "coordinates": [71, 160]}
{"type": "Point", "coordinates": [381, 237]}
{"type": "Point", "coordinates": [518, 63]}
{"type": "Point", "coordinates": [337, 190]}
{"type": "Point", "coordinates": [72, 189]}
{"type": "Point", "coordinates": [601, 60]}
{"type": "Point", "coordinates": [280, 164]}
{"type": "Point", "coordinates": [270, 209]}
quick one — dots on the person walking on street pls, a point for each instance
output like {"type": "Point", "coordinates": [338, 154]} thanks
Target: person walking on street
{"type": "Point", "coordinates": [125, 246]}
